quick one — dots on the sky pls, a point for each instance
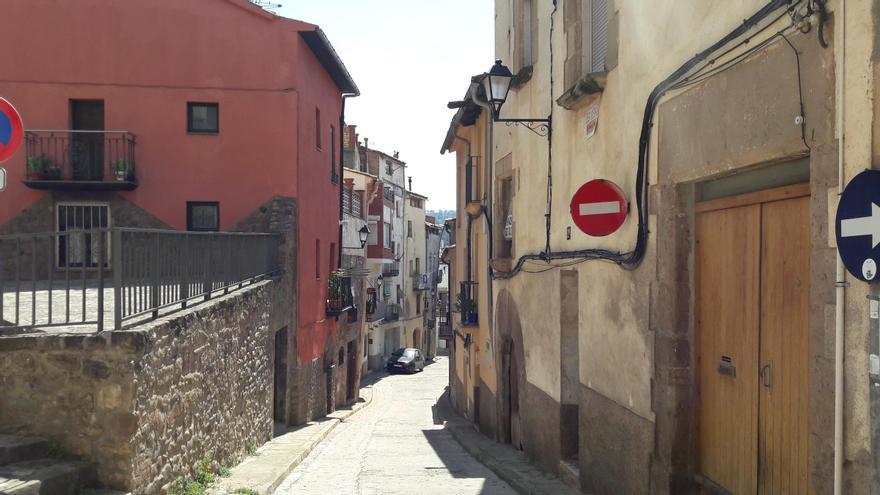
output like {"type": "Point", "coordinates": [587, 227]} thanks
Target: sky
{"type": "Point", "coordinates": [409, 58]}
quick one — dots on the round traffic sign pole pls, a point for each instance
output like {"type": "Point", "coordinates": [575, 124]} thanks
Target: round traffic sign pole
{"type": "Point", "coordinates": [11, 130]}
{"type": "Point", "coordinates": [599, 207]}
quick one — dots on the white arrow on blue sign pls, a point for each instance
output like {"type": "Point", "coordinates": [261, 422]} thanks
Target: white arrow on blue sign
{"type": "Point", "coordinates": [857, 225]}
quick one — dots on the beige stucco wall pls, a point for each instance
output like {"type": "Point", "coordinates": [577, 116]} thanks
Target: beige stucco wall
{"type": "Point", "coordinates": [616, 351]}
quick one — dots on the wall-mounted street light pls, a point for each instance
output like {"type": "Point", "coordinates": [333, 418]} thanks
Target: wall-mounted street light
{"type": "Point", "coordinates": [363, 235]}
{"type": "Point", "coordinates": [497, 83]}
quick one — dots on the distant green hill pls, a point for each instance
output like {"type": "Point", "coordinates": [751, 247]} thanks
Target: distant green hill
{"type": "Point", "coordinates": [441, 215]}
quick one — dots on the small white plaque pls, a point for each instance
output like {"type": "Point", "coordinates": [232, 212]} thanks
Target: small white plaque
{"type": "Point", "coordinates": [592, 120]}
{"type": "Point", "coordinates": [875, 309]}
{"type": "Point", "coordinates": [2, 179]}
{"type": "Point", "coordinates": [869, 269]}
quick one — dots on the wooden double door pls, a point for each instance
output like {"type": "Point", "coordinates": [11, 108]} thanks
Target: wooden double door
{"type": "Point", "coordinates": [752, 274]}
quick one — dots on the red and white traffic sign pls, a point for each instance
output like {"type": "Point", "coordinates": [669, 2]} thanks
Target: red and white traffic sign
{"type": "Point", "coordinates": [599, 207]}
{"type": "Point", "coordinates": [11, 130]}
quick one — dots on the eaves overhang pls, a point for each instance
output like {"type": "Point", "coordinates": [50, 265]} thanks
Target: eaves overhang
{"type": "Point", "coordinates": [319, 44]}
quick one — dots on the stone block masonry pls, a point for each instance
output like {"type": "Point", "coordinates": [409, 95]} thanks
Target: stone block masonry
{"type": "Point", "coordinates": [147, 404]}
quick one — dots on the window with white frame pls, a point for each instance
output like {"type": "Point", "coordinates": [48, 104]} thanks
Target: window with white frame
{"type": "Point", "coordinates": [78, 240]}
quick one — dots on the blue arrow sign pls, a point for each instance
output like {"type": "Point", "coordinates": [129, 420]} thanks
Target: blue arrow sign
{"type": "Point", "coordinates": [857, 226]}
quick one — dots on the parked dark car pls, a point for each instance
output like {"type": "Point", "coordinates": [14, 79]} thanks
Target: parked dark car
{"type": "Point", "coordinates": [409, 360]}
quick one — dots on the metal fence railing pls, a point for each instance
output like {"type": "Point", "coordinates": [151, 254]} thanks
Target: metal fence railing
{"type": "Point", "coordinates": [107, 277]}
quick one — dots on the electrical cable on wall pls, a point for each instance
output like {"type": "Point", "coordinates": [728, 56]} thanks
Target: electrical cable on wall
{"type": "Point", "coordinates": [695, 70]}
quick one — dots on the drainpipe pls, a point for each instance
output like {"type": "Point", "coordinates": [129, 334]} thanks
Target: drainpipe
{"type": "Point", "coordinates": [341, 165]}
{"type": "Point", "coordinates": [489, 183]}
{"type": "Point", "coordinates": [840, 284]}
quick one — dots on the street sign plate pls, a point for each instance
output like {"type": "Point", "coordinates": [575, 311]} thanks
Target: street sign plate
{"type": "Point", "coordinates": [599, 207]}
{"type": "Point", "coordinates": [11, 130]}
{"type": "Point", "coordinates": [857, 225]}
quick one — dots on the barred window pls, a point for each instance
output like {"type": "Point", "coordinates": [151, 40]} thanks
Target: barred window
{"type": "Point", "coordinates": [80, 246]}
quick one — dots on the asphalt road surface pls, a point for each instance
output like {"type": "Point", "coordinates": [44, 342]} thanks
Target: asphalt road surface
{"type": "Point", "coordinates": [394, 446]}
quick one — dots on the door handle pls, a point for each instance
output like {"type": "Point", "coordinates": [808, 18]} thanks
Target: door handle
{"type": "Point", "coordinates": [766, 374]}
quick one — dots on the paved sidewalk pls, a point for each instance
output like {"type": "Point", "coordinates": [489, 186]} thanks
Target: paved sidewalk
{"type": "Point", "coordinates": [507, 463]}
{"type": "Point", "coordinates": [274, 461]}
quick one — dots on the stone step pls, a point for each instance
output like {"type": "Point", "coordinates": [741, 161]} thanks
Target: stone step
{"type": "Point", "coordinates": [14, 448]}
{"type": "Point", "coordinates": [570, 474]}
{"type": "Point", "coordinates": [45, 477]}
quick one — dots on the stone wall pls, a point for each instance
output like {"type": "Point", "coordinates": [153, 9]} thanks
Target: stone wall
{"type": "Point", "coordinates": [204, 387]}
{"type": "Point", "coordinates": [147, 404]}
{"type": "Point", "coordinates": [76, 391]}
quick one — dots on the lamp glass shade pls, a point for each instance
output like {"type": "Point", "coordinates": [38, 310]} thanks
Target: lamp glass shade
{"type": "Point", "coordinates": [363, 234]}
{"type": "Point", "coordinates": [497, 84]}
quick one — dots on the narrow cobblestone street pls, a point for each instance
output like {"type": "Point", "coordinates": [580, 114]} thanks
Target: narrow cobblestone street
{"type": "Point", "coordinates": [394, 446]}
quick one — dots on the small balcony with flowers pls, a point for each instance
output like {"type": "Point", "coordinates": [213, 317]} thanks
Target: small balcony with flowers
{"type": "Point", "coordinates": [80, 160]}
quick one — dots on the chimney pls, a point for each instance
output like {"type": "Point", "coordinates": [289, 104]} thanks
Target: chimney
{"type": "Point", "coordinates": [410, 183]}
{"type": "Point", "coordinates": [367, 143]}
{"type": "Point", "coordinates": [396, 154]}
{"type": "Point", "coordinates": [349, 139]}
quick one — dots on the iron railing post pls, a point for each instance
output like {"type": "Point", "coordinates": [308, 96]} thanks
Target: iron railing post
{"type": "Point", "coordinates": [101, 256]}
{"type": "Point", "coordinates": [117, 267]}
{"type": "Point", "coordinates": [154, 290]}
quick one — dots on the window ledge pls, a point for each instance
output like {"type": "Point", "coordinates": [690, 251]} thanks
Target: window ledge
{"type": "Point", "coordinates": [591, 84]}
{"type": "Point", "coordinates": [522, 77]}
{"type": "Point", "coordinates": [503, 265]}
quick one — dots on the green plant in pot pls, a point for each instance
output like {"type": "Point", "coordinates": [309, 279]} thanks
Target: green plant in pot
{"type": "Point", "coordinates": [36, 167]}
{"type": "Point", "coordinates": [122, 169]}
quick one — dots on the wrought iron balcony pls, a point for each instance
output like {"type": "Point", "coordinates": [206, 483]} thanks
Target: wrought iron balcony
{"type": "Point", "coordinates": [419, 281]}
{"type": "Point", "coordinates": [392, 312]}
{"type": "Point", "coordinates": [339, 295]}
{"type": "Point", "coordinates": [466, 304]}
{"type": "Point", "coordinates": [80, 160]}
{"type": "Point", "coordinates": [391, 269]}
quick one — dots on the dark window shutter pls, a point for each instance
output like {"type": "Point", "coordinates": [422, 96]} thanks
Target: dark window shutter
{"type": "Point", "coordinates": [598, 34]}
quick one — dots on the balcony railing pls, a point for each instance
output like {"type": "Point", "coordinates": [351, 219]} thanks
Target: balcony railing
{"type": "Point", "coordinates": [72, 159]}
{"type": "Point", "coordinates": [466, 303]}
{"type": "Point", "coordinates": [113, 277]}
{"type": "Point", "coordinates": [419, 281]}
{"type": "Point", "coordinates": [391, 269]}
{"type": "Point", "coordinates": [339, 298]}
{"type": "Point", "coordinates": [392, 312]}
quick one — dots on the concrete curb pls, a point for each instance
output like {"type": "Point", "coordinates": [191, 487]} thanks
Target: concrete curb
{"type": "Point", "coordinates": [268, 475]}
{"type": "Point", "coordinates": [528, 481]}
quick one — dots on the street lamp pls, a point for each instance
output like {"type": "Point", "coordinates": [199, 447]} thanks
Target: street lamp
{"type": "Point", "coordinates": [363, 234]}
{"type": "Point", "coordinates": [496, 83]}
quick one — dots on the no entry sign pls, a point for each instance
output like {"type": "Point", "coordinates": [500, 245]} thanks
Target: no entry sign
{"type": "Point", "coordinates": [858, 225]}
{"type": "Point", "coordinates": [11, 130]}
{"type": "Point", "coordinates": [598, 208]}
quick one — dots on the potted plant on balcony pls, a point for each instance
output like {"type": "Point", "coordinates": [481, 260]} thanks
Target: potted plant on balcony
{"type": "Point", "coordinates": [334, 290]}
{"type": "Point", "coordinates": [36, 167]}
{"type": "Point", "coordinates": [122, 169]}
{"type": "Point", "coordinates": [53, 172]}
{"type": "Point", "coordinates": [468, 309]}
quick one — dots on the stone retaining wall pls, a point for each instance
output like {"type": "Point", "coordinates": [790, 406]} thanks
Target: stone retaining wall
{"type": "Point", "coordinates": [146, 405]}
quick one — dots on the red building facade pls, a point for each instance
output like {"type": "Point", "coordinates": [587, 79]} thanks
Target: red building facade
{"type": "Point", "coordinates": [202, 115]}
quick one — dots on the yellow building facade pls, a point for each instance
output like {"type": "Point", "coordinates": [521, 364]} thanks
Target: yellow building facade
{"type": "Point", "coordinates": [697, 348]}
